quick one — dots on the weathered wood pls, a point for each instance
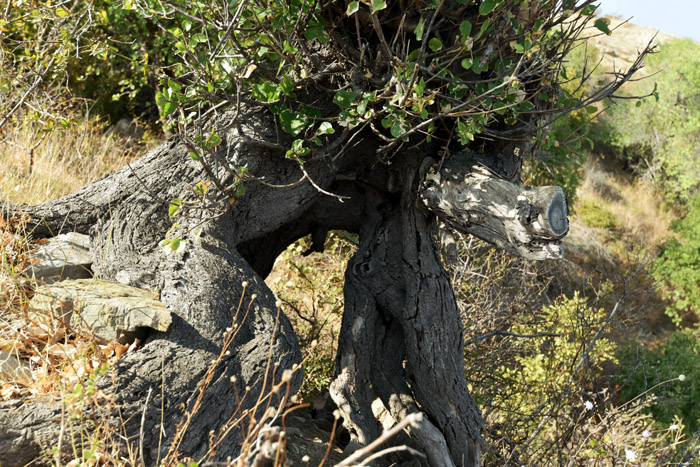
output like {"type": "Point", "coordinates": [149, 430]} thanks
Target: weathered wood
{"type": "Point", "coordinates": [528, 222]}
{"type": "Point", "coordinates": [28, 432]}
{"type": "Point", "coordinates": [399, 303]}
{"type": "Point", "coordinates": [401, 338]}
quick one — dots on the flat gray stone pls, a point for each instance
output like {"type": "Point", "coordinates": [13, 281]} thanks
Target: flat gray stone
{"type": "Point", "coordinates": [65, 256]}
{"type": "Point", "coordinates": [111, 310]}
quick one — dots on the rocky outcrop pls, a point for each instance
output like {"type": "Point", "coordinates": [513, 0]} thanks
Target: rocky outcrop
{"type": "Point", "coordinates": [111, 310]}
{"type": "Point", "coordinates": [64, 256]}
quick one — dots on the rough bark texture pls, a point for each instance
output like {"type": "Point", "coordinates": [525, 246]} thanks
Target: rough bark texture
{"type": "Point", "coordinates": [401, 338]}
{"type": "Point", "coordinates": [471, 198]}
{"type": "Point", "coordinates": [126, 214]}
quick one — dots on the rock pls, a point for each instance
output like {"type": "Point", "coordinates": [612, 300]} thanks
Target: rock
{"type": "Point", "coordinates": [111, 310]}
{"type": "Point", "coordinates": [307, 444]}
{"type": "Point", "coordinates": [128, 132]}
{"type": "Point", "coordinates": [12, 368]}
{"type": "Point", "coordinates": [65, 256]}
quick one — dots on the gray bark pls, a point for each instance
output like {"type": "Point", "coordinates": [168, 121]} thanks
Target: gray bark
{"type": "Point", "coordinates": [126, 215]}
{"type": "Point", "coordinates": [471, 198]}
{"type": "Point", "coordinates": [401, 337]}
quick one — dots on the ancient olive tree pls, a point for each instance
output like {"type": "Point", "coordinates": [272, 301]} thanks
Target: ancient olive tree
{"type": "Point", "coordinates": [386, 119]}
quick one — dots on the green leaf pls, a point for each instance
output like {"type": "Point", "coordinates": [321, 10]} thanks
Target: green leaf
{"type": "Point", "coordinates": [317, 32]}
{"type": "Point", "coordinates": [378, 5]}
{"type": "Point", "coordinates": [213, 140]}
{"type": "Point", "coordinates": [174, 86]}
{"type": "Point", "coordinates": [168, 108]}
{"type": "Point", "coordinates": [194, 156]}
{"type": "Point", "coordinates": [487, 6]}
{"type": "Point", "coordinates": [291, 122]}
{"type": "Point", "coordinates": [62, 12]}
{"type": "Point", "coordinates": [175, 244]}
{"type": "Point", "coordinates": [465, 28]}
{"type": "Point", "coordinates": [298, 149]}
{"type": "Point", "coordinates": [467, 63]}
{"type": "Point", "coordinates": [588, 10]}
{"type": "Point", "coordinates": [419, 87]}
{"type": "Point", "coordinates": [362, 106]}
{"type": "Point", "coordinates": [344, 99]}
{"type": "Point", "coordinates": [175, 206]}
{"type": "Point", "coordinates": [352, 8]}
{"type": "Point", "coordinates": [266, 92]}
{"type": "Point", "coordinates": [591, 109]}
{"type": "Point", "coordinates": [602, 25]}
{"type": "Point", "coordinates": [435, 44]}
{"type": "Point", "coordinates": [197, 38]}
{"type": "Point", "coordinates": [420, 29]}
{"type": "Point", "coordinates": [397, 129]}
{"type": "Point", "coordinates": [478, 68]}
{"type": "Point", "coordinates": [325, 128]}
{"type": "Point", "coordinates": [287, 86]}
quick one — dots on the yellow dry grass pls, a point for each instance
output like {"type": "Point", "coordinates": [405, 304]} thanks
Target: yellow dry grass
{"type": "Point", "coordinates": [639, 215]}
{"type": "Point", "coordinates": [64, 160]}
{"type": "Point", "coordinates": [616, 232]}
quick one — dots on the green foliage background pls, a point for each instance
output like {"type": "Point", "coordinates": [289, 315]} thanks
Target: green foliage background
{"type": "Point", "coordinates": [660, 138]}
{"type": "Point", "coordinates": [656, 371]}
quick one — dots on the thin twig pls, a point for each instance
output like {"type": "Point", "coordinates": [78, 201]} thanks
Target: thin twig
{"type": "Point", "coordinates": [143, 422]}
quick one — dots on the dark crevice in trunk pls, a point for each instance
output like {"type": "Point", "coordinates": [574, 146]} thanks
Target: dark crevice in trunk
{"type": "Point", "coordinates": [401, 319]}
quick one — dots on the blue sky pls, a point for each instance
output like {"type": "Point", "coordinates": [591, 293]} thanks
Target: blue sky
{"type": "Point", "coordinates": [678, 17]}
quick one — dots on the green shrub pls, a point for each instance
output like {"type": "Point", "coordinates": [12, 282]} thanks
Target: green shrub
{"type": "Point", "coordinates": [658, 372]}
{"type": "Point", "coordinates": [540, 378]}
{"type": "Point", "coordinates": [661, 138]}
{"type": "Point", "coordinates": [678, 266]}
{"type": "Point", "coordinates": [596, 215]}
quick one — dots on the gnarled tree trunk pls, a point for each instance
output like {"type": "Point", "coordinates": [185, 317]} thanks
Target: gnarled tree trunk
{"type": "Point", "coordinates": [401, 337]}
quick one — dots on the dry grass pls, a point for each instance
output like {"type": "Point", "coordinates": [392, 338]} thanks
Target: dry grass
{"type": "Point", "coordinates": [37, 166]}
{"type": "Point", "coordinates": [311, 290]}
{"type": "Point", "coordinates": [616, 232]}
{"type": "Point", "coordinates": [639, 214]}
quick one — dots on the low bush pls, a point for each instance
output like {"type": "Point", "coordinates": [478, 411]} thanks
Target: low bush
{"type": "Point", "coordinates": [596, 214]}
{"type": "Point", "coordinates": [671, 373]}
{"type": "Point", "coordinates": [678, 267]}
{"type": "Point", "coordinates": [660, 138]}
